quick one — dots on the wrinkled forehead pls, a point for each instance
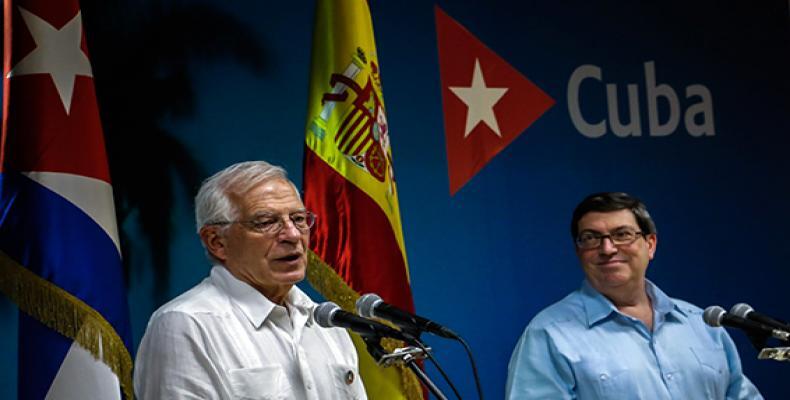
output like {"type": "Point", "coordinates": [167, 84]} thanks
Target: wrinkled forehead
{"type": "Point", "coordinates": [607, 221]}
{"type": "Point", "coordinates": [272, 194]}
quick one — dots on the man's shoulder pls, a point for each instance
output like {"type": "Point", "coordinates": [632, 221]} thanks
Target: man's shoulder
{"type": "Point", "coordinates": [686, 307]}
{"type": "Point", "coordinates": [204, 298]}
{"type": "Point", "coordinates": [682, 305]}
{"type": "Point", "coordinates": [569, 310]}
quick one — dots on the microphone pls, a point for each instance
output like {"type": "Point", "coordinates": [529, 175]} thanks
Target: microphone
{"type": "Point", "coordinates": [746, 311]}
{"type": "Point", "coordinates": [371, 305]}
{"type": "Point", "coordinates": [717, 316]}
{"type": "Point", "coordinates": [330, 315]}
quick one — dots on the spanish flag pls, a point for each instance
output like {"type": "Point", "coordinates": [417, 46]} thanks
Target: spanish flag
{"type": "Point", "coordinates": [357, 244]}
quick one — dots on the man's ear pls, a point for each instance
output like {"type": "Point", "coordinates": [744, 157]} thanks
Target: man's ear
{"type": "Point", "coordinates": [652, 242]}
{"type": "Point", "coordinates": [214, 241]}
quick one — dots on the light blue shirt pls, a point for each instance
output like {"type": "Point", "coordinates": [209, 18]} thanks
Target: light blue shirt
{"type": "Point", "coordinates": [582, 347]}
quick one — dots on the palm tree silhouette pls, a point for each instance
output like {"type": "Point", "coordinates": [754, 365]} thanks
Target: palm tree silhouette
{"type": "Point", "coordinates": [143, 54]}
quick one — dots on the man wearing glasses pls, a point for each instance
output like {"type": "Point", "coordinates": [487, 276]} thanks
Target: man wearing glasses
{"type": "Point", "coordinates": [619, 336]}
{"type": "Point", "coordinates": [246, 331]}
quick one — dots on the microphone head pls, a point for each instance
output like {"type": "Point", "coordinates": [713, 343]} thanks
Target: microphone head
{"type": "Point", "coordinates": [324, 312]}
{"type": "Point", "coordinates": [713, 315]}
{"type": "Point", "coordinates": [741, 310]}
{"type": "Point", "coordinates": [366, 304]}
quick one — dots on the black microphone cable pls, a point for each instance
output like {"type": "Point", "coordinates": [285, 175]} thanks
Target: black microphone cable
{"type": "Point", "coordinates": [422, 346]}
{"type": "Point", "coordinates": [446, 378]}
{"type": "Point", "coordinates": [474, 366]}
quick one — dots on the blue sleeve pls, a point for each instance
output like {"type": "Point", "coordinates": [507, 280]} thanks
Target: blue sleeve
{"type": "Point", "coordinates": [740, 387]}
{"type": "Point", "coordinates": [537, 370]}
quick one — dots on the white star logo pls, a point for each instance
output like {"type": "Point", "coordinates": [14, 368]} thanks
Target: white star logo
{"type": "Point", "coordinates": [480, 100]}
{"type": "Point", "coordinates": [57, 53]}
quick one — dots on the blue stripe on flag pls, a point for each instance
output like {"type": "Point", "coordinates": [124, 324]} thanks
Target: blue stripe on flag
{"type": "Point", "coordinates": [37, 373]}
{"type": "Point", "coordinates": [56, 240]}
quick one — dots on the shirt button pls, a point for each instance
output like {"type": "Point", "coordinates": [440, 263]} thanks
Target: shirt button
{"type": "Point", "coordinates": [669, 377]}
{"type": "Point", "coordinates": [349, 377]}
{"type": "Point", "coordinates": [309, 387]}
{"type": "Point", "coordinates": [603, 377]}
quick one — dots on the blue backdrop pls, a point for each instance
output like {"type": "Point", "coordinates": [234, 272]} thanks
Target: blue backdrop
{"type": "Point", "coordinates": [487, 259]}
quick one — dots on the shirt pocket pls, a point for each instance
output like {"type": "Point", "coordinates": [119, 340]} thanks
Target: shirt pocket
{"type": "Point", "coordinates": [714, 371]}
{"type": "Point", "coordinates": [260, 383]}
{"type": "Point", "coordinates": [347, 382]}
{"type": "Point", "coordinates": [600, 378]}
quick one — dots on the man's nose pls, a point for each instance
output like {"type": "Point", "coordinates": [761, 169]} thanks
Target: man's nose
{"type": "Point", "coordinates": [289, 231]}
{"type": "Point", "coordinates": [607, 246]}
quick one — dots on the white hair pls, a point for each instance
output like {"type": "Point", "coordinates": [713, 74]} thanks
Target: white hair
{"type": "Point", "coordinates": [213, 203]}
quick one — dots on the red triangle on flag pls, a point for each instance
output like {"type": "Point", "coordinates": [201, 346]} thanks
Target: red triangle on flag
{"type": "Point", "coordinates": [487, 103]}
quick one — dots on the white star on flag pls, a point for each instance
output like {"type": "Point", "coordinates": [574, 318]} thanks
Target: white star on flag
{"type": "Point", "coordinates": [57, 53]}
{"type": "Point", "coordinates": [480, 100]}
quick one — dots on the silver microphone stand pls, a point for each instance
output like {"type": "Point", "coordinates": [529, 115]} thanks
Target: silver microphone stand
{"type": "Point", "coordinates": [775, 353]}
{"type": "Point", "coordinates": [406, 355]}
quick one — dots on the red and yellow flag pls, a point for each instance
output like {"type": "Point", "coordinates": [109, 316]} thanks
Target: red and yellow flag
{"type": "Point", "coordinates": [357, 244]}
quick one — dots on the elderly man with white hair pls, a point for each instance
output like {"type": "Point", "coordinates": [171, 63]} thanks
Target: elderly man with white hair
{"type": "Point", "coordinates": [247, 331]}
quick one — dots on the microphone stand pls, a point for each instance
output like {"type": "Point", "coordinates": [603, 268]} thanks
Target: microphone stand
{"type": "Point", "coordinates": [407, 355]}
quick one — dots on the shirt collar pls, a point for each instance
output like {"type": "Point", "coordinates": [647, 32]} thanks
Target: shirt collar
{"type": "Point", "coordinates": [597, 307]}
{"type": "Point", "coordinates": [254, 305]}
{"type": "Point", "coordinates": [663, 304]}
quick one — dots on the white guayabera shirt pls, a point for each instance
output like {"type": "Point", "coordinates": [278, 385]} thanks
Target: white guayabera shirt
{"type": "Point", "coordinates": [224, 340]}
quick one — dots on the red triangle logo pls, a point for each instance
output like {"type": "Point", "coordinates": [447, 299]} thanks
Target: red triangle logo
{"type": "Point", "coordinates": [487, 103]}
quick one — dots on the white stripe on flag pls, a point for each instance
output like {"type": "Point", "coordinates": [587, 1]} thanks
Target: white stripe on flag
{"type": "Point", "coordinates": [92, 196]}
{"type": "Point", "coordinates": [81, 377]}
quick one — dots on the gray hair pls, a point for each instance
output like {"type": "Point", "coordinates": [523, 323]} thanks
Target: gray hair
{"type": "Point", "coordinates": [213, 203]}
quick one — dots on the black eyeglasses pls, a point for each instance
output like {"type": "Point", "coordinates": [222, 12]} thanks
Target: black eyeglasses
{"type": "Point", "coordinates": [272, 224]}
{"type": "Point", "coordinates": [621, 237]}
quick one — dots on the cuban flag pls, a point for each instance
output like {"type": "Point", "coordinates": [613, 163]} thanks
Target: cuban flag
{"type": "Point", "coordinates": [60, 259]}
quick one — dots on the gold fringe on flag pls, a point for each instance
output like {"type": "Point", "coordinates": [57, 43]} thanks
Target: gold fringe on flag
{"type": "Point", "coordinates": [69, 316]}
{"type": "Point", "coordinates": [326, 281]}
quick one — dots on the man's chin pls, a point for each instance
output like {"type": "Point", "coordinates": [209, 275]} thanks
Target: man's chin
{"type": "Point", "coordinates": [291, 277]}
{"type": "Point", "coordinates": [611, 280]}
